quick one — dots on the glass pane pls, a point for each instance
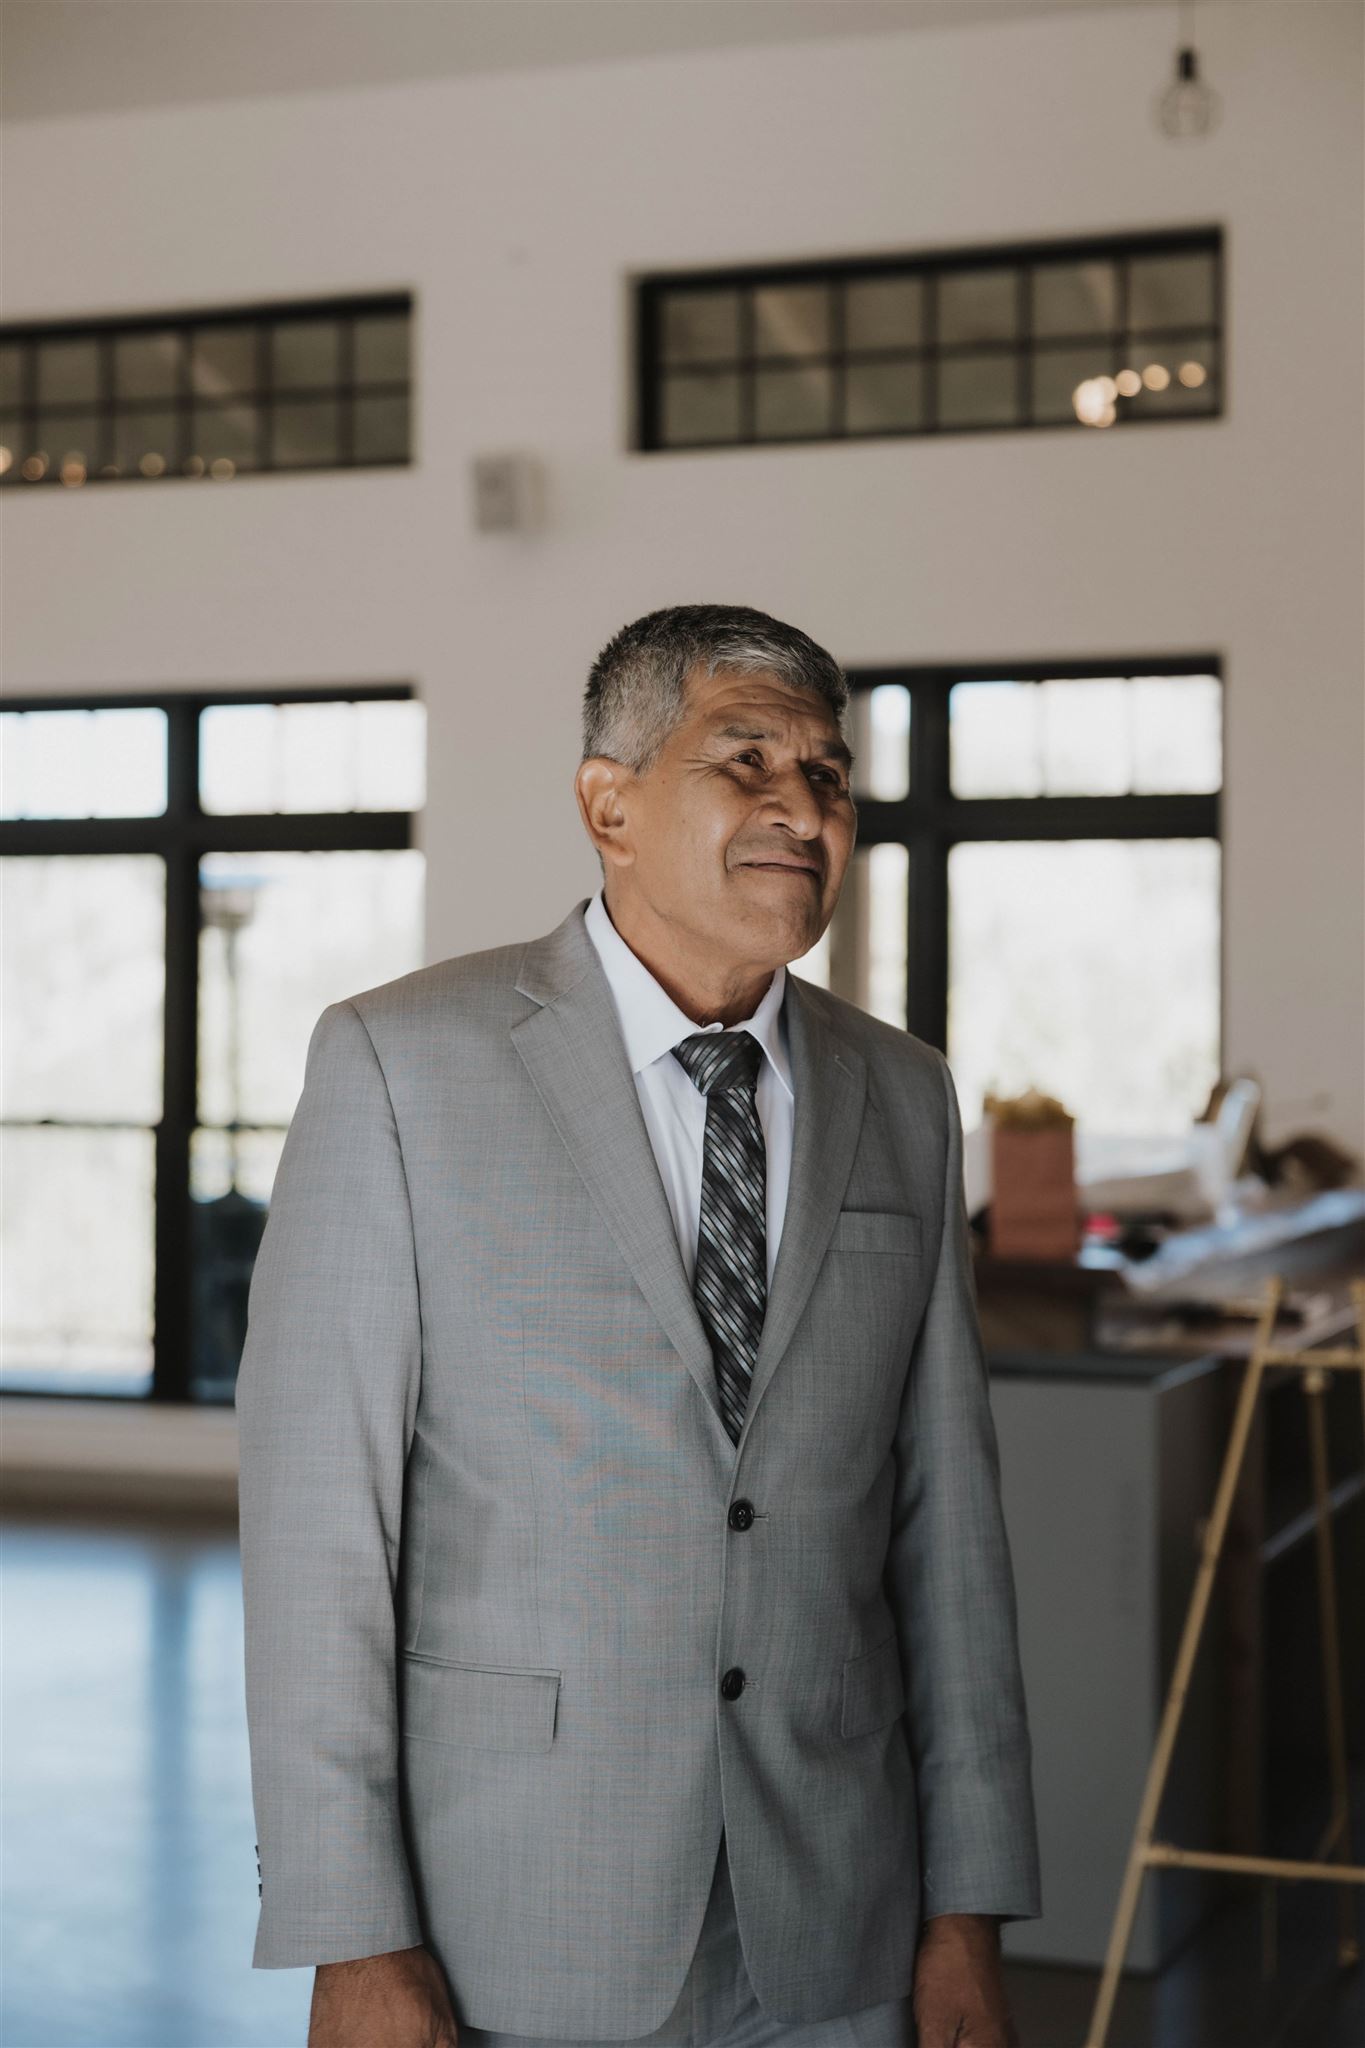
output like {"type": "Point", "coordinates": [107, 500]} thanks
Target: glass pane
{"type": "Point", "coordinates": [792, 402]}
{"type": "Point", "coordinates": [11, 375]}
{"type": "Point", "coordinates": [67, 370]}
{"type": "Point", "coordinates": [978, 305]}
{"type": "Point", "coordinates": [1057, 372]}
{"type": "Point", "coordinates": [696, 409]}
{"type": "Point", "coordinates": [304, 353]}
{"type": "Point", "coordinates": [223, 361]}
{"type": "Point", "coordinates": [884, 312]}
{"type": "Point", "coordinates": [1075, 298]}
{"type": "Point", "coordinates": [699, 327]}
{"type": "Point", "coordinates": [791, 319]}
{"type": "Point", "coordinates": [994, 740]}
{"type": "Point", "coordinates": [814, 966]}
{"type": "Point", "coordinates": [223, 440]}
{"type": "Point", "coordinates": [978, 391]}
{"type": "Point", "coordinates": [1088, 969]}
{"type": "Point", "coordinates": [83, 764]}
{"type": "Point", "coordinates": [1170, 291]}
{"type": "Point", "coordinates": [1177, 733]}
{"type": "Point", "coordinates": [367, 756]}
{"type": "Point", "coordinates": [382, 348]}
{"type": "Point", "coordinates": [1087, 741]}
{"type": "Point", "coordinates": [867, 933]}
{"type": "Point", "coordinates": [231, 1174]}
{"type": "Point", "coordinates": [884, 397]}
{"type": "Point", "coordinates": [307, 433]}
{"type": "Point", "coordinates": [880, 720]}
{"type": "Point", "coordinates": [11, 437]}
{"type": "Point", "coordinates": [76, 1269]}
{"type": "Point", "coordinates": [72, 443]}
{"type": "Point", "coordinates": [381, 430]}
{"type": "Point", "coordinates": [1177, 376]}
{"type": "Point", "coordinates": [284, 934]}
{"type": "Point", "coordinates": [146, 444]}
{"type": "Point", "coordinates": [82, 962]}
{"type": "Point", "coordinates": [147, 365]}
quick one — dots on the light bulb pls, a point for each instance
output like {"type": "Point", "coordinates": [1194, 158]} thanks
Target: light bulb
{"type": "Point", "coordinates": [1188, 106]}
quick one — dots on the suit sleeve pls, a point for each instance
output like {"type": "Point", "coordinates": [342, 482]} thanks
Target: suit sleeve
{"type": "Point", "coordinates": [326, 1399]}
{"type": "Point", "coordinates": [950, 1584]}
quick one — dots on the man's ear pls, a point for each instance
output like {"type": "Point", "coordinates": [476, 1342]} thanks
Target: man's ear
{"type": "Point", "coordinates": [601, 787]}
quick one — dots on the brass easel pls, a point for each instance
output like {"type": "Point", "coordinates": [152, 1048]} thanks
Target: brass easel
{"type": "Point", "coordinates": [1147, 1854]}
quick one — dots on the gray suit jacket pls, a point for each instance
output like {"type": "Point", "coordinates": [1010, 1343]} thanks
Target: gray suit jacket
{"type": "Point", "coordinates": [493, 1574]}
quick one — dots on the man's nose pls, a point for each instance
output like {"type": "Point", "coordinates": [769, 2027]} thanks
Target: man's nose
{"type": "Point", "coordinates": [790, 798]}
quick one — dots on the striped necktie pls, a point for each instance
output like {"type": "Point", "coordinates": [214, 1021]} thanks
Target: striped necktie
{"type": "Point", "coordinates": [731, 1281]}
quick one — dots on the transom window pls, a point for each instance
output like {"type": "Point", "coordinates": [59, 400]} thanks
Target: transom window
{"type": "Point", "coordinates": [1081, 333]}
{"type": "Point", "coordinates": [208, 395]}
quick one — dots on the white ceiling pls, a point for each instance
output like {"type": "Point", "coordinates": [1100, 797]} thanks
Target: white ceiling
{"type": "Point", "coordinates": [64, 57]}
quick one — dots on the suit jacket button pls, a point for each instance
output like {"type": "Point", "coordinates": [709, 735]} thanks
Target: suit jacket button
{"type": "Point", "coordinates": [741, 1514]}
{"type": "Point", "coordinates": [732, 1685]}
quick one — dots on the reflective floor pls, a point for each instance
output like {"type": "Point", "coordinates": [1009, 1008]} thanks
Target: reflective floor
{"type": "Point", "coordinates": [129, 1869]}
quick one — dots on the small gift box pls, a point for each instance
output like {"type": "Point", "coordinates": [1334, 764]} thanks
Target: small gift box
{"type": "Point", "coordinates": [1034, 1213]}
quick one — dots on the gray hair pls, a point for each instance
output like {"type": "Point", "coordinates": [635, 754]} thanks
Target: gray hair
{"type": "Point", "coordinates": [636, 694]}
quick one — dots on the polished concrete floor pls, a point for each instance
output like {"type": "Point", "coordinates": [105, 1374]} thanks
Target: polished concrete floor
{"type": "Point", "coordinates": [130, 1875]}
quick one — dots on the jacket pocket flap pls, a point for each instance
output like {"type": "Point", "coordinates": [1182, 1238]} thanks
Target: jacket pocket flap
{"type": "Point", "coordinates": [874, 1689]}
{"type": "Point", "coordinates": [875, 1230]}
{"type": "Point", "coordinates": [486, 1706]}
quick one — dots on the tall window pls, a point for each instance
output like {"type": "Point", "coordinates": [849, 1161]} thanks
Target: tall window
{"type": "Point", "coordinates": [186, 883]}
{"type": "Point", "coordinates": [209, 395]}
{"type": "Point", "coordinates": [1093, 333]}
{"type": "Point", "coordinates": [1036, 885]}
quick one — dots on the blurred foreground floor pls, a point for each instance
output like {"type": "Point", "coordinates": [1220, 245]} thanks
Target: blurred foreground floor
{"type": "Point", "coordinates": [130, 1872]}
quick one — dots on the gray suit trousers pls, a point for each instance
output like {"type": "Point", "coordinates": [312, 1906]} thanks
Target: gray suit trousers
{"type": "Point", "coordinates": [717, 2006]}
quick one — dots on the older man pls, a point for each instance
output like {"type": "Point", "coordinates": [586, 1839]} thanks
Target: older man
{"type": "Point", "coordinates": [630, 1628]}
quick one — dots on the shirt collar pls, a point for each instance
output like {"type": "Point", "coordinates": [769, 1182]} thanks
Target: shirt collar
{"type": "Point", "coordinates": [651, 1022]}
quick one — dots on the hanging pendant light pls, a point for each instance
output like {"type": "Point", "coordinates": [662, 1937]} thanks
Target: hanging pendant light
{"type": "Point", "coordinates": [1188, 107]}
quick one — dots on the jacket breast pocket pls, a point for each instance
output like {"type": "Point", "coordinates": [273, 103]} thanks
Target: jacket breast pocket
{"type": "Point", "coordinates": [875, 1230]}
{"type": "Point", "coordinates": [874, 1689]}
{"type": "Point", "coordinates": [482, 1706]}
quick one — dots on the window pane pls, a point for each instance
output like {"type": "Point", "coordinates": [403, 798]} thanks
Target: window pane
{"type": "Point", "coordinates": [792, 402]}
{"type": "Point", "coordinates": [224, 360]}
{"type": "Point", "coordinates": [147, 365]}
{"type": "Point", "coordinates": [791, 320]}
{"type": "Point", "coordinates": [1088, 969]}
{"type": "Point", "coordinates": [884, 312]}
{"type": "Point", "coordinates": [880, 724]}
{"type": "Point", "coordinates": [1177, 376]}
{"type": "Point", "coordinates": [82, 961]}
{"type": "Point", "coordinates": [382, 348]}
{"type": "Point", "coordinates": [11, 449]}
{"type": "Point", "coordinates": [381, 430]}
{"type": "Point", "coordinates": [224, 439]}
{"type": "Point", "coordinates": [82, 764]}
{"type": "Point", "coordinates": [365, 756]}
{"type": "Point", "coordinates": [1087, 742]}
{"type": "Point", "coordinates": [67, 370]}
{"type": "Point", "coordinates": [1170, 291]}
{"type": "Point", "coordinates": [699, 327]}
{"type": "Point", "coordinates": [284, 934]}
{"type": "Point", "coordinates": [1075, 298]}
{"type": "Point", "coordinates": [978, 305]}
{"type": "Point", "coordinates": [304, 353]}
{"type": "Point", "coordinates": [1177, 733]}
{"type": "Point", "coordinates": [76, 1266]}
{"type": "Point", "coordinates": [1056, 374]}
{"type": "Point", "coordinates": [71, 441]}
{"type": "Point", "coordinates": [884, 397]}
{"type": "Point", "coordinates": [231, 1173]}
{"type": "Point", "coordinates": [994, 740]}
{"type": "Point", "coordinates": [978, 390]}
{"type": "Point", "coordinates": [697, 409]}
{"type": "Point", "coordinates": [11, 375]}
{"type": "Point", "coordinates": [146, 444]}
{"type": "Point", "coordinates": [867, 934]}
{"type": "Point", "coordinates": [307, 433]}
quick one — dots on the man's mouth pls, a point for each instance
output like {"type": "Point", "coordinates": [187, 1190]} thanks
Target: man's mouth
{"type": "Point", "coordinates": [789, 867]}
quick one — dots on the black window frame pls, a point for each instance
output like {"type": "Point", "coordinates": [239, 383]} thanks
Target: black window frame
{"type": "Point", "coordinates": [106, 409]}
{"type": "Point", "coordinates": [931, 819]}
{"type": "Point", "coordinates": [183, 835]}
{"type": "Point", "coordinates": [651, 288]}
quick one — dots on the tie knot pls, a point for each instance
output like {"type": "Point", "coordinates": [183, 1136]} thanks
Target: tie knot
{"type": "Point", "coordinates": [719, 1060]}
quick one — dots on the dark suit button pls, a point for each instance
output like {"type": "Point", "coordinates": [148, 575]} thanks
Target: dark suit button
{"type": "Point", "coordinates": [741, 1514]}
{"type": "Point", "coordinates": [732, 1685]}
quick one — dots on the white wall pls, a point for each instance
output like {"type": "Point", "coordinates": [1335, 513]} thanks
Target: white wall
{"type": "Point", "coordinates": [517, 207]}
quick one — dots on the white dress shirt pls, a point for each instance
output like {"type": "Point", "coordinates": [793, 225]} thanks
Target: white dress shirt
{"type": "Point", "coordinates": [674, 1107]}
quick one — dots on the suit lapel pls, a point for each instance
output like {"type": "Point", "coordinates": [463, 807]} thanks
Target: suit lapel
{"type": "Point", "coordinates": [573, 1050]}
